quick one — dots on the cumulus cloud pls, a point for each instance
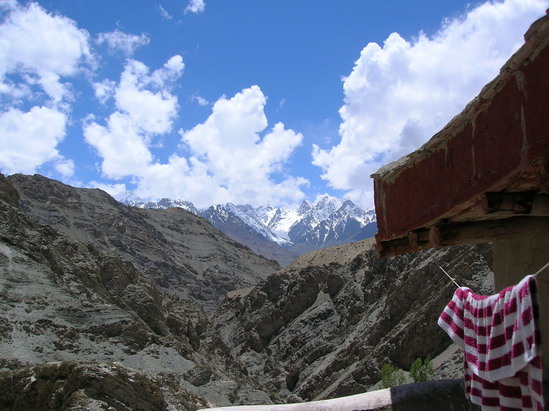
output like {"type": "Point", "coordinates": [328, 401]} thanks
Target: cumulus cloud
{"type": "Point", "coordinates": [232, 156]}
{"type": "Point", "coordinates": [42, 49]}
{"type": "Point", "coordinates": [401, 93]}
{"type": "Point", "coordinates": [8, 4]}
{"type": "Point", "coordinates": [145, 107]}
{"type": "Point", "coordinates": [118, 41]}
{"type": "Point", "coordinates": [195, 6]}
{"type": "Point", "coordinates": [63, 166]}
{"type": "Point", "coordinates": [115, 190]}
{"type": "Point", "coordinates": [121, 144]}
{"type": "Point", "coordinates": [38, 53]}
{"type": "Point", "coordinates": [229, 148]}
{"type": "Point", "coordinates": [104, 90]}
{"type": "Point", "coordinates": [29, 139]}
{"type": "Point", "coordinates": [146, 98]}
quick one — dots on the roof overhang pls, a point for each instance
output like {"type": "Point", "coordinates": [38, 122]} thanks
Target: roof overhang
{"type": "Point", "coordinates": [485, 175]}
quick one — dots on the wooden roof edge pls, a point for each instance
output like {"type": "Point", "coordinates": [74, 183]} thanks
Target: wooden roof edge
{"type": "Point", "coordinates": [536, 39]}
{"type": "Point", "coordinates": [493, 216]}
{"type": "Point", "coordinates": [470, 232]}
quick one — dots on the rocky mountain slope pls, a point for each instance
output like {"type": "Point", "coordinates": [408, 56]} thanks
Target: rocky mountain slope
{"type": "Point", "coordinates": [235, 228]}
{"type": "Point", "coordinates": [282, 233]}
{"type": "Point", "coordinates": [322, 327]}
{"type": "Point", "coordinates": [102, 305]}
{"type": "Point", "coordinates": [182, 253]}
{"type": "Point", "coordinates": [95, 314]}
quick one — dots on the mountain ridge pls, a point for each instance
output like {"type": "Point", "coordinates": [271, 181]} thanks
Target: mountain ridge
{"type": "Point", "coordinates": [92, 289]}
{"type": "Point", "coordinates": [181, 252]}
{"type": "Point", "coordinates": [323, 326]}
{"type": "Point", "coordinates": [281, 233]}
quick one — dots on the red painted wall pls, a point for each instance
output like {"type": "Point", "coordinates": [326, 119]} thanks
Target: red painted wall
{"type": "Point", "coordinates": [503, 133]}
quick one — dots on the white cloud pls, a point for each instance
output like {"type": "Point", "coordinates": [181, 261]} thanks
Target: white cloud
{"type": "Point", "coordinates": [118, 41]}
{"type": "Point", "coordinates": [164, 13]}
{"type": "Point", "coordinates": [195, 6]}
{"type": "Point", "coordinates": [228, 148]}
{"type": "Point", "coordinates": [38, 52]}
{"type": "Point", "coordinates": [169, 73]}
{"type": "Point", "coordinates": [29, 139]}
{"type": "Point", "coordinates": [113, 189]}
{"type": "Point", "coordinates": [201, 100]}
{"type": "Point", "coordinates": [104, 90]}
{"type": "Point", "coordinates": [42, 48]}
{"type": "Point", "coordinates": [230, 157]}
{"type": "Point", "coordinates": [8, 4]}
{"type": "Point", "coordinates": [145, 107]}
{"type": "Point", "coordinates": [229, 160]}
{"type": "Point", "coordinates": [400, 94]}
{"type": "Point", "coordinates": [147, 98]}
{"type": "Point", "coordinates": [64, 167]}
{"type": "Point", "coordinates": [123, 146]}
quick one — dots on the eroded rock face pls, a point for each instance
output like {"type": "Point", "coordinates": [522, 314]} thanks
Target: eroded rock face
{"type": "Point", "coordinates": [323, 327]}
{"type": "Point", "coordinates": [65, 300]}
{"type": "Point", "coordinates": [85, 386]}
{"type": "Point", "coordinates": [181, 252]}
{"type": "Point", "coordinates": [102, 289]}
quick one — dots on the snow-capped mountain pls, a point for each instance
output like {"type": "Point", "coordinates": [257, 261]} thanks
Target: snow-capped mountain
{"type": "Point", "coordinates": [328, 222]}
{"type": "Point", "coordinates": [129, 199]}
{"type": "Point", "coordinates": [282, 233]}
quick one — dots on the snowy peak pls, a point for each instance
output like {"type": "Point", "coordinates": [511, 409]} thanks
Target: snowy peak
{"type": "Point", "coordinates": [305, 208]}
{"type": "Point", "coordinates": [348, 208]}
{"type": "Point", "coordinates": [326, 206]}
{"type": "Point", "coordinates": [164, 203]}
{"type": "Point", "coordinates": [255, 219]}
{"type": "Point", "coordinates": [326, 222]}
{"type": "Point", "coordinates": [216, 214]}
{"type": "Point", "coordinates": [329, 221]}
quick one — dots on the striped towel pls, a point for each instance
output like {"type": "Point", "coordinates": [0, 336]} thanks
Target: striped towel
{"type": "Point", "coordinates": [501, 340]}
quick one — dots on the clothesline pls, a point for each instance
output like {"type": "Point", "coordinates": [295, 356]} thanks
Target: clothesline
{"type": "Point", "coordinates": [448, 275]}
{"type": "Point", "coordinates": [542, 269]}
{"type": "Point", "coordinates": [500, 338]}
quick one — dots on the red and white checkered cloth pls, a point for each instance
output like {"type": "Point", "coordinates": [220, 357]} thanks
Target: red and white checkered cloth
{"type": "Point", "coordinates": [501, 340]}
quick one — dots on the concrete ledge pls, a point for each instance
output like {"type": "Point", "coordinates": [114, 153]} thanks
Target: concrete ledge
{"type": "Point", "coordinates": [426, 396]}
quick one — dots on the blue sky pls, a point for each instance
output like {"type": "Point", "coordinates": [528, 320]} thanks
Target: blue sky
{"type": "Point", "coordinates": [244, 101]}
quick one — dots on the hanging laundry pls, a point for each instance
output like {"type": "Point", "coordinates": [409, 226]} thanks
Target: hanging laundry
{"type": "Point", "coordinates": [501, 341]}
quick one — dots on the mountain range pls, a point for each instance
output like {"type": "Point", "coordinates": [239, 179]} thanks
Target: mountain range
{"type": "Point", "coordinates": [181, 252]}
{"type": "Point", "coordinates": [281, 233]}
{"type": "Point", "coordinates": [105, 306]}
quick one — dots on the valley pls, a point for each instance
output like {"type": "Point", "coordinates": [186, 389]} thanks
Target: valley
{"type": "Point", "coordinates": [163, 305]}
{"type": "Point", "coordinates": [281, 234]}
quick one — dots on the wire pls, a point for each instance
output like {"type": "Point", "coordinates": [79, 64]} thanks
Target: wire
{"type": "Point", "coordinates": [448, 275]}
{"type": "Point", "coordinates": [542, 269]}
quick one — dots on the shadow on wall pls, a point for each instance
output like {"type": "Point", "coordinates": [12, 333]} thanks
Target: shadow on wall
{"type": "Point", "coordinates": [430, 396]}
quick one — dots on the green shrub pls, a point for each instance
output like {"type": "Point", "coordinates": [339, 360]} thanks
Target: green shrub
{"type": "Point", "coordinates": [233, 395]}
{"type": "Point", "coordinates": [391, 376]}
{"type": "Point", "coordinates": [422, 370]}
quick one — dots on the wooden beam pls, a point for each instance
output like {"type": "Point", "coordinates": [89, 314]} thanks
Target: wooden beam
{"type": "Point", "coordinates": [540, 207]}
{"type": "Point", "coordinates": [509, 203]}
{"type": "Point", "coordinates": [450, 234]}
{"type": "Point", "coordinates": [492, 230]}
{"type": "Point", "coordinates": [412, 239]}
{"type": "Point", "coordinates": [435, 236]}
